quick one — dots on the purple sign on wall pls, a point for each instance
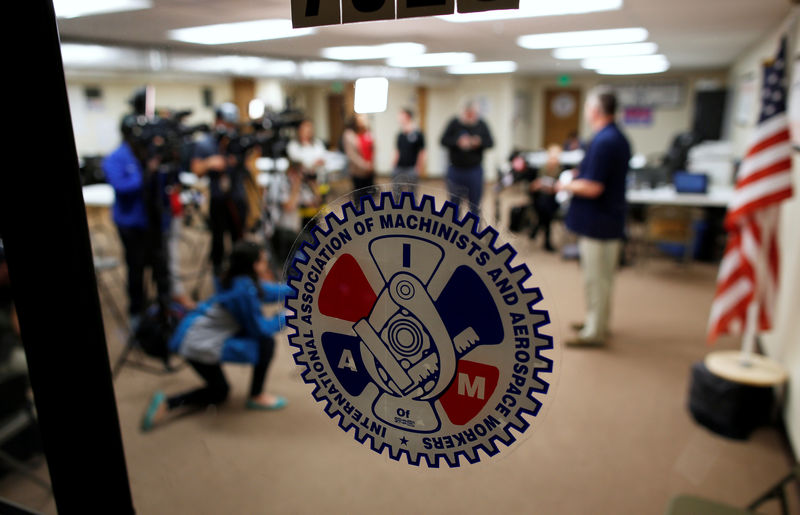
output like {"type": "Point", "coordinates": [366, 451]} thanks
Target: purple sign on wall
{"type": "Point", "coordinates": [642, 116]}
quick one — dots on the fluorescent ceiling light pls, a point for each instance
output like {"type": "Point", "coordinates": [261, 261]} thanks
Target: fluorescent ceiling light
{"type": "Point", "coordinates": [371, 95]}
{"type": "Point", "coordinates": [79, 55]}
{"type": "Point", "coordinates": [536, 8]}
{"type": "Point", "coordinates": [321, 70]}
{"type": "Point", "coordinates": [483, 68]}
{"type": "Point", "coordinates": [332, 70]}
{"type": "Point", "coordinates": [355, 72]}
{"type": "Point", "coordinates": [236, 64]}
{"type": "Point", "coordinates": [634, 70]}
{"type": "Point", "coordinates": [258, 30]}
{"type": "Point", "coordinates": [584, 52]}
{"type": "Point", "coordinates": [627, 65]}
{"type": "Point", "coordinates": [77, 8]}
{"type": "Point", "coordinates": [357, 52]}
{"type": "Point", "coordinates": [583, 38]}
{"type": "Point", "coordinates": [610, 62]}
{"type": "Point", "coordinates": [426, 60]}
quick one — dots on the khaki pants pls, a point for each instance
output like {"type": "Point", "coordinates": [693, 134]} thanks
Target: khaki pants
{"type": "Point", "coordinates": [599, 260]}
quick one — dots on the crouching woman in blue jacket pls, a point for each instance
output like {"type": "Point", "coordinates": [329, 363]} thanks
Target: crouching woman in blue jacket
{"type": "Point", "coordinates": [228, 327]}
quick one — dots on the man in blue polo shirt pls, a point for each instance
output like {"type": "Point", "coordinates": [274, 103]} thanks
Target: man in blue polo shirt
{"type": "Point", "coordinates": [597, 213]}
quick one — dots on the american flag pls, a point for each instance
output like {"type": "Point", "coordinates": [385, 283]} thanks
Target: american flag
{"type": "Point", "coordinates": [749, 269]}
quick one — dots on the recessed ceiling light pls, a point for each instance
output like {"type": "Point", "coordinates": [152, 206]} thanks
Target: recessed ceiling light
{"type": "Point", "coordinates": [583, 38]}
{"type": "Point", "coordinates": [77, 8]}
{"type": "Point", "coordinates": [584, 52]}
{"type": "Point", "coordinates": [536, 8]}
{"type": "Point", "coordinates": [627, 65]}
{"type": "Point", "coordinates": [483, 68]}
{"type": "Point", "coordinates": [257, 30]}
{"type": "Point", "coordinates": [427, 60]}
{"type": "Point", "coordinates": [361, 52]}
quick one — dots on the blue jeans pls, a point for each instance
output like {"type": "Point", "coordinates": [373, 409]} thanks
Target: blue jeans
{"type": "Point", "coordinates": [465, 183]}
{"type": "Point", "coordinates": [405, 178]}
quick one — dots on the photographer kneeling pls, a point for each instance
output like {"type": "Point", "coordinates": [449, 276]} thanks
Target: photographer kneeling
{"type": "Point", "coordinates": [228, 327]}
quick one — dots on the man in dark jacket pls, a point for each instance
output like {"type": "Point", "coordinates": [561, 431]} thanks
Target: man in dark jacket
{"type": "Point", "coordinates": [466, 137]}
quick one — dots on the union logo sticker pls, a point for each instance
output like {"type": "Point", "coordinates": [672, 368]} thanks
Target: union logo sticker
{"type": "Point", "coordinates": [417, 332]}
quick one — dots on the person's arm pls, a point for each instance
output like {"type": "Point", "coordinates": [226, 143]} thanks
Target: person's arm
{"type": "Point", "coordinates": [584, 188]}
{"type": "Point", "coordinates": [294, 193]}
{"type": "Point", "coordinates": [591, 181]}
{"type": "Point", "coordinates": [293, 151]}
{"type": "Point", "coordinates": [123, 177]}
{"type": "Point", "coordinates": [421, 163]}
{"type": "Point", "coordinates": [206, 159]}
{"type": "Point", "coordinates": [450, 135]}
{"type": "Point", "coordinates": [421, 155]}
{"type": "Point", "coordinates": [353, 153]}
{"type": "Point", "coordinates": [319, 148]}
{"type": "Point", "coordinates": [245, 307]}
{"type": "Point", "coordinates": [486, 136]}
{"type": "Point", "coordinates": [275, 292]}
{"type": "Point", "coordinates": [202, 165]}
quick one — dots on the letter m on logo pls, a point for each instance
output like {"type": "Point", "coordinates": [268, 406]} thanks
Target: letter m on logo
{"type": "Point", "coordinates": [471, 389]}
{"type": "Point", "coordinates": [474, 388]}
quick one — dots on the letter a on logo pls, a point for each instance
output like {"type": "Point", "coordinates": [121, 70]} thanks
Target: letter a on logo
{"type": "Point", "coordinates": [347, 361]}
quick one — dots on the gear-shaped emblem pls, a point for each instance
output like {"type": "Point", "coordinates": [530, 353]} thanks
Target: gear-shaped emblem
{"type": "Point", "coordinates": [416, 330]}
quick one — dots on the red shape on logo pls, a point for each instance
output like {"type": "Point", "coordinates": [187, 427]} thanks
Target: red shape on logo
{"type": "Point", "coordinates": [470, 391]}
{"type": "Point", "coordinates": [346, 294]}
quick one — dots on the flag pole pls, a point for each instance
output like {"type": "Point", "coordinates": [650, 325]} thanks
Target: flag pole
{"type": "Point", "coordinates": [750, 335]}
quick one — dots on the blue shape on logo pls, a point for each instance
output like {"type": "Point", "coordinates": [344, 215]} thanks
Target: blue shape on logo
{"type": "Point", "coordinates": [466, 302]}
{"type": "Point", "coordinates": [344, 355]}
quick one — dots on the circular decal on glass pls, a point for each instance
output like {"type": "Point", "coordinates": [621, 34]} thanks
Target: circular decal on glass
{"type": "Point", "coordinates": [416, 330]}
{"type": "Point", "coordinates": [563, 105]}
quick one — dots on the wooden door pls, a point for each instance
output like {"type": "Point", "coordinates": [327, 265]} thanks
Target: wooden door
{"type": "Point", "coordinates": [562, 114]}
{"type": "Point", "coordinates": [244, 90]}
{"type": "Point", "coordinates": [336, 114]}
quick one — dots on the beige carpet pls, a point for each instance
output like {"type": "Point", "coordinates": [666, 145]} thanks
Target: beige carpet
{"type": "Point", "coordinates": [617, 437]}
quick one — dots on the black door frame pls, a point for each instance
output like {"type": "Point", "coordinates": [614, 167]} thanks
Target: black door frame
{"type": "Point", "coordinates": [46, 238]}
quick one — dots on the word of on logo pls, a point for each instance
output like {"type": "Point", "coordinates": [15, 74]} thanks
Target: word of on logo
{"type": "Point", "coordinates": [416, 330]}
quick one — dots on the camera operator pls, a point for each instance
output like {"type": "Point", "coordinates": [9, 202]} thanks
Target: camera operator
{"type": "Point", "coordinates": [141, 211]}
{"type": "Point", "coordinates": [290, 198]}
{"type": "Point", "coordinates": [228, 203]}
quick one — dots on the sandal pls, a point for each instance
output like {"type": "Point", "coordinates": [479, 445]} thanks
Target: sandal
{"type": "Point", "coordinates": [152, 409]}
{"type": "Point", "coordinates": [280, 403]}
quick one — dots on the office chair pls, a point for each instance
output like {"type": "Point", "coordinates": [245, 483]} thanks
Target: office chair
{"type": "Point", "coordinates": [693, 505]}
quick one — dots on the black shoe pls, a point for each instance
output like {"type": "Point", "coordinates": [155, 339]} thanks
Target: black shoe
{"type": "Point", "coordinates": [548, 247]}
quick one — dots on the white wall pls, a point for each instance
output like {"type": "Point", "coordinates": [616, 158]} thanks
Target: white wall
{"type": "Point", "coordinates": [783, 342]}
{"type": "Point", "coordinates": [96, 127]}
{"type": "Point", "coordinates": [648, 140]}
